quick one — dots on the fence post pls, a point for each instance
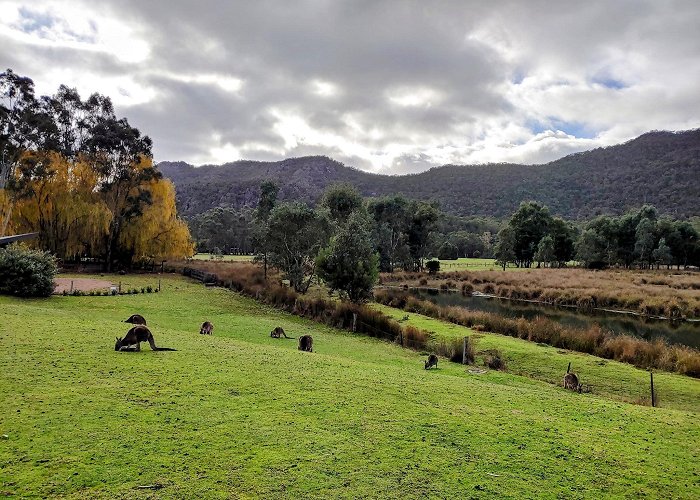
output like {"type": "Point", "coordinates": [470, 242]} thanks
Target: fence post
{"type": "Point", "coordinates": [71, 286]}
{"type": "Point", "coordinates": [159, 284]}
{"type": "Point", "coordinates": [568, 367]}
{"type": "Point", "coordinates": [354, 321]}
{"type": "Point", "coordinates": [120, 287]}
{"type": "Point", "coordinates": [653, 397]}
{"type": "Point", "coordinates": [464, 351]}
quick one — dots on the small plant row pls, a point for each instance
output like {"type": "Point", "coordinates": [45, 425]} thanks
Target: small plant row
{"type": "Point", "coordinates": [109, 293]}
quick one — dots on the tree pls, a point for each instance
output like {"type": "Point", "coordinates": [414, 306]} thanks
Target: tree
{"type": "Point", "coordinates": [350, 264]}
{"type": "Point", "coordinates": [23, 127]}
{"type": "Point", "coordinates": [341, 200]}
{"type": "Point", "coordinates": [563, 238]}
{"type": "Point", "coordinates": [661, 254]}
{"type": "Point", "coordinates": [225, 228]}
{"type": "Point", "coordinates": [295, 234]}
{"type": "Point", "coordinates": [81, 177]}
{"type": "Point", "coordinates": [157, 234]}
{"type": "Point", "coordinates": [266, 203]}
{"type": "Point", "coordinates": [545, 250]}
{"type": "Point", "coordinates": [529, 223]}
{"type": "Point", "coordinates": [392, 219]}
{"type": "Point", "coordinates": [504, 251]}
{"type": "Point", "coordinates": [591, 250]}
{"type": "Point", "coordinates": [423, 221]}
{"type": "Point", "coordinates": [123, 161]}
{"type": "Point", "coordinates": [63, 206]}
{"type": "Point", "coordinates": [645, 240]}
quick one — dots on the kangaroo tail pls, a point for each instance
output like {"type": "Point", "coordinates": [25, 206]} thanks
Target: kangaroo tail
{"type": "Point", "coordinates": [164, 349]}
{"type": "Point", "coordinates": [288, 337]}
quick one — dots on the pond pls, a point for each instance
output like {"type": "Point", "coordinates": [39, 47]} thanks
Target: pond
{"type": "Point", "coordinates": [677, 332]}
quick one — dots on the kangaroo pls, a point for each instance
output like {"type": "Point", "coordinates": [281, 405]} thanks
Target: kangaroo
{"type": "Point", "coordinates": [571, 382]}
{"type": "Point", "coordinates": [306, 343]}
{"type": "Point", "coordinates": [206, 329]}
{"type": "Point", "coordinates": [278, 332]}
{"type": "Point", "coordinates": [135, 336]}
{"type": "Point", "coordinates": [432, 361]}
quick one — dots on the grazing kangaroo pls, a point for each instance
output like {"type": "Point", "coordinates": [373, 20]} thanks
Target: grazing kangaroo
{"type": "Point", "coordinates": [278, 332]}
{"type": "Point", "coordinates": [432, 361]}
{"type": "Point", "coordinates": [136, 319]}
{"type": "Point", "coordinates": [206, 329]}
{"type": "Point", "coordinates": [306, 343]}
{"type": "Point", "coordinates": [571, 382]}
{"type": "Point", "coordinates": [135, 336]}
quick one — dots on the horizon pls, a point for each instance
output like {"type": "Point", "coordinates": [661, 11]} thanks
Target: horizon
{"type": "Point", "coordinates": [390, 88]}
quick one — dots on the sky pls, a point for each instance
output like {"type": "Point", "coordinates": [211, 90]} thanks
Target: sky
{"type": "Point", "coordinates": [385, 86]}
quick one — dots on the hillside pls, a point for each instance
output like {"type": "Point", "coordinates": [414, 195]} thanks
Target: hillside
{"type": "Point", "coordinates": [660, 168]}
{"type": "Point", "coordinates": [241, 415]}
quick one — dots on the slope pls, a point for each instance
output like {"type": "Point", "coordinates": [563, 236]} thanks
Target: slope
{"type": "Point", "coordinates": [242, 415]}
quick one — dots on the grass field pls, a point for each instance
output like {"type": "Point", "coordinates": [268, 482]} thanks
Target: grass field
{"type": "Point", "coordinates": [469, 264]}
{"type": "Point", "coordinates": [240, 414]}
{"type": "Point", "coordinates": [234, 258]}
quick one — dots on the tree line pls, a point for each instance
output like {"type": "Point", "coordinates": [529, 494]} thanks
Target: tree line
{"type": "Point", "coordinates": [639, 238]}
{"type": "Point", "coordinates": [83, 179]}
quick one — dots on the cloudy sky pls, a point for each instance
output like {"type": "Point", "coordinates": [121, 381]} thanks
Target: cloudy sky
{"type": "Point", "coordinates": [387, 86]}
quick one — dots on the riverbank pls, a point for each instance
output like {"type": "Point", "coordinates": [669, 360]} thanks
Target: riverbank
{"type": "Point", "coordinates": [593, 340]}
{"type": "Point", "coordinates": [666, 293]}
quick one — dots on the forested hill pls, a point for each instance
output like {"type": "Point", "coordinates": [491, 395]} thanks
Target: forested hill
{"type": "Point", "coordinates": [660, 168]}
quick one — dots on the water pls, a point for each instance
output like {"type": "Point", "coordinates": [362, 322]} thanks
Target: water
{"type": "Point", "coordinates": [677, 332]}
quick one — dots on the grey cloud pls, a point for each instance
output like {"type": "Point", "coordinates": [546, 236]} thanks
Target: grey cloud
{"type": "Point", "coordinates": [488, 65]}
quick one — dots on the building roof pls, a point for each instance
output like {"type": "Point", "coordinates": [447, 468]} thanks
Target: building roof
{"type": "Point", "coordinates": [6, 240]}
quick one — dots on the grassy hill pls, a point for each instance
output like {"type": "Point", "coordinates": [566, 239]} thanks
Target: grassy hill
{"type": "Point", "coordinates": [659, 168]}
{"type": "Point", "coordinates": [242, 415]}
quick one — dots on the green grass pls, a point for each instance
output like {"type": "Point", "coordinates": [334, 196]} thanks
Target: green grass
{"type": "Point", "coordinates": [607, 378]}
{"type": "Point", "coordinates": [469, 264]}
{"type": "Point", "coordinates": [233, 258]}
{"type": "Point", "coordinates": [240, 414]}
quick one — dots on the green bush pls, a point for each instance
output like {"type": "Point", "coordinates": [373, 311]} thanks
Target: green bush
{"type": "Point", "coordinates": [433, 266]}
{"type": "Point", "coordinates": [26, 273]}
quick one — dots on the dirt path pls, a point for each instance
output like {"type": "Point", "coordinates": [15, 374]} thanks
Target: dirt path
{"type": "Point", "coordinates": [83, 284]}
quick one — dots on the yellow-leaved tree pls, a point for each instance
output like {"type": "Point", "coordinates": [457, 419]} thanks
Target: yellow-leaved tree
{"type": "Point", "coordinates": [157, 234]}
{"type": "Point", "coordinates": [62, 205]}
{"type": "Point", "coordinates": [5, 212]}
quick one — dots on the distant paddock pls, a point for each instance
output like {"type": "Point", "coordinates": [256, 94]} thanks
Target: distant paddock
{"type": "Point", "coordinates": [82, 284]}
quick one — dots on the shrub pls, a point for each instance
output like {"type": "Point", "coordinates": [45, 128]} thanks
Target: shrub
{"type": "Point", "coordinates": [467, 289]}
{"type": "Point", "coordinates": [423, 282]}
{"type": "Point", "coordinates": [26, 273]}
{"type": "Point", "coordinates": [433, 266]}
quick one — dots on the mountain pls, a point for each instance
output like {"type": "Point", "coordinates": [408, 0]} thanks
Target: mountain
{"type": "Point", "coordinates": [660, 168]}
